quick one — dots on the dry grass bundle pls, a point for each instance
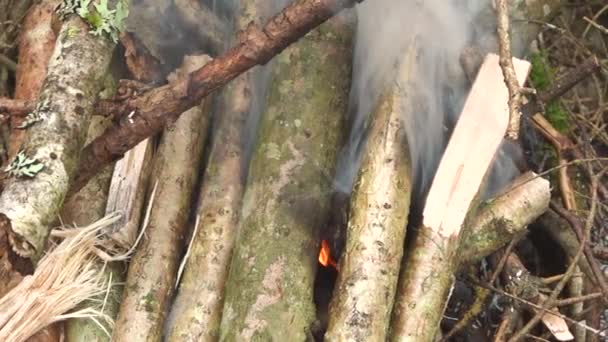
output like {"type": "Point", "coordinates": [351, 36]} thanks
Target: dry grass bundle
{"type": "Point", "coordinates": [65, 277]}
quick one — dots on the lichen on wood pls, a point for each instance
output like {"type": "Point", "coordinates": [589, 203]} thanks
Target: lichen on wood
{"type": "Point", "coordinates": [73, 80]}
{"type": "Point", "coordinates": [269, 290]}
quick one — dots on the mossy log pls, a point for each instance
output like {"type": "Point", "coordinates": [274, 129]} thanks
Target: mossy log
{"type": "Point", "coordinates": [196, 312]}
{"type": "Point", "coordinates": [504, 217]}
{"type": "Point", "coordinates": [153, 269]}
{"type": "Point", "coordinates": [369, 268]}
{"type": "Point", "coordinates": [269, 294]}
{"type": "Point", "coordinates": [28, 205]}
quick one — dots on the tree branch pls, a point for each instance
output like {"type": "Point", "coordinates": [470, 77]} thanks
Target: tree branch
{"type": "Point", "coordinates": [147, 113]}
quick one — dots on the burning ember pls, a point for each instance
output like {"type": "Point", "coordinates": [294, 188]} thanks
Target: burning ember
{"type": "Point", "coordinates": [325, 258]}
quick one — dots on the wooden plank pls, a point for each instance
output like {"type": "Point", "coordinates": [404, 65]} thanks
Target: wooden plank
{"type": "Point", "coordinates": [128, 191]}
{"type": "Point", "coordinates": [472, 147]}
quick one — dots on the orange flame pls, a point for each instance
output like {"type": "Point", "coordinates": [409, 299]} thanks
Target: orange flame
{"type": "Point", "coordinates": [325, 256]}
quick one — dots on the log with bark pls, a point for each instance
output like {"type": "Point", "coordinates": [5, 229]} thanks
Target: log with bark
{"type": "Point", "coordinates": [153, 268]}
{"type": "Point", "coordinates": [197, 309]}
{"type": "Point", "coordinates": [31, 201]}
{"type": "Point", "coordinates": [505, 217]}
{"type": "Point", "coordinates": [269, 294]}
{"type": "Point", "coordinates": [35, 36]}
{"type": "Point", "coordinates": [369, 268]}
{"type": "Point", "coordinates": [36, 43]}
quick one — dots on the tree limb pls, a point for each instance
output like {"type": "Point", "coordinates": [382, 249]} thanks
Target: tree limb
{"type": "Point", "coordinates": [150, 111]}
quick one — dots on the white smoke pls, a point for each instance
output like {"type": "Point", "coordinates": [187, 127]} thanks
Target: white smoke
{"type": "Point", "coordinates": [440, 29]}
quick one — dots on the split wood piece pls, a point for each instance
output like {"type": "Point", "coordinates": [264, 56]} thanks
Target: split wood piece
{"type": "Point", "coordinates": [196, 312]}
{"type": "Point", "coordinates": [153, 268]}
{"type": "Point", "coordinates": [369, 268]}
{"type": "Point", "coordinates": [288, 193]}
{"type": "Point", "coordinates": [128, 188]}
{"type": "Point", "coordinates": [504, 217]}
{"type": "Point", "coordinates": [210, 29]}
{"type": "Point", "coordinates": [153, 109]}
{"type": "Point", "coordinates": [36, 43]}
{"type": "Point", "coordinates": [73, 79]}
{"type": "Point", "coordinates": [427, 274]}
{"type": "Point", "coordinates": [82, 209]}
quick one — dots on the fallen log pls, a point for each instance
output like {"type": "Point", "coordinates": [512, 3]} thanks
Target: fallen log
{"type": "Point", "coordinates": [369, 268]}
{"type": "Point", "coordinates": [427, 274]}
{"type": "Point", "coordinates": [196, 312]}
{"type": "Point", "coordinates": [153, 109]}
{"type": "Point", "coordinates": [289, 189]}
{"type": "Point", "coordinates": [153, 268]}
{"type": "Point", "coordinates": [56, 135]}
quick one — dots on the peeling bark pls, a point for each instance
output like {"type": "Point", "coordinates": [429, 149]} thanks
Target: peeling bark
{"type": "Point", "coordinates": [36, 44]}
{"type": "Point", "coordinates": [155, 108]}
{"type": "Point", "coordinates": [152, 270]}
{"type": "Point", "coordinates": [269, 290]}
{"type": "Point", "coordinates": [197, 310]}
{"type": "Point", "coordinates": [500, 219]}
{"type": "Point", "coordinates": [75, 71]}
{"type": "Point", "coordinates": [369, 268]}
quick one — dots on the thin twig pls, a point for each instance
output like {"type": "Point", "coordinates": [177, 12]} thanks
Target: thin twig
{"type": "Point", "coordinates": [508, 70]}
{"type": "Point", "coordinates": [596, 25]}
{"type": "Point", "coordinates": [7, 62]}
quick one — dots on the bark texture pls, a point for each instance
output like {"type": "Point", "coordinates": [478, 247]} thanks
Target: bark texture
{"type": "Point", "coordinates": [269, 290]}
{"type": "Point", "coordinates": [197, 310]}
{"type": "Point", "coordinates": [29, 205]}
{"type": "Point", "coordinates": [500, 219]}
{"type": "Point", "coordinates": [36, 43]}
{"type": "Point", "coordinates": [155, 108]}
{"type": "Point", "coordinates": [369, 268]}
{"type": "Point", "coordinates": [153, 268]}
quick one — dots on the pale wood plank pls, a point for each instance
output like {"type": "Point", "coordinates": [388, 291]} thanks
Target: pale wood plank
{"type": "Point", "coordinates": [128, 191]}
{"type": "Point", "coordinates": [472, 147]}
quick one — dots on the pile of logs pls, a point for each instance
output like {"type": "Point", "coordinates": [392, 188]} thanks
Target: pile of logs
{"type": "Point", "coordinates": [223, 240]}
